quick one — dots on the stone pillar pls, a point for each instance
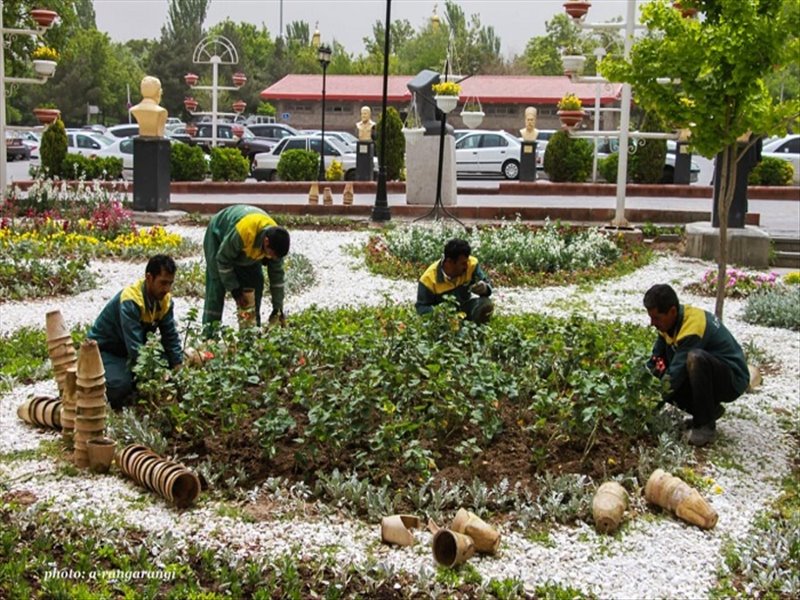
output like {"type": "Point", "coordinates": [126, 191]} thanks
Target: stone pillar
{"type": "Point", "coordinates": [422, 162]}
{"type": "Point", "coordinates": [527, 161]}
{"type": "Point", "coordinates": [365, 163]}
{"type": "Point", "coordinates": [151, 174]}
{"type": "Point", "coordinates": [683, 164]}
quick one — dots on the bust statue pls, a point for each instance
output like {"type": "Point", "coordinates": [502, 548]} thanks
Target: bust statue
{"type": "Point", "coordinates": [365, 125]}
{"type": "Point", "coordinates": [151, 117]}
{"type": "Point", "coordinates": [529, 132]}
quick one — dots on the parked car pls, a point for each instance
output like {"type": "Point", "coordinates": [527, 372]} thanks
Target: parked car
{"type": "Point", "coordinates": [265, 164]}
{"type": "Point", "coordinates": [16, 148]}
{"type": "Point", "coordinates": [124, 130]}
{"type": "Point", "coordinates": [785, 148]}
{"type": "Point", "coordinates": [347, 139]}
{"type": "Point", "coordinates": [122, 148]}
{"type": "Point", "coordinates": [481, 152]}
{"type": "Point", "coordinates": [248, 144]}
{"type": "Point", "coordinates": [32, 140]}
{"type": "Point", "coordinates": [274, 132]}
{"type": "Point", "coordinates": [173, 122]}
{"type": "Point", "coordinates": [87, 143]}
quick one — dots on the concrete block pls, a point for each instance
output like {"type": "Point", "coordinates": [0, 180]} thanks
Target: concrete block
{"type": "Point", "coordinates": [748, 246]}
{"type": "Point", "coordinates": [422, 163]}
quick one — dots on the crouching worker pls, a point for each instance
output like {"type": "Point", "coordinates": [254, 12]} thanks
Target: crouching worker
{"type": "Point", "coordinates": [703, 362]}
{"type": "Point", "coordinates": [457, 274]}
{"type": "Point", "coordinates": [122, 327]}
{"type": "Point", "coordinates": [238, 242]}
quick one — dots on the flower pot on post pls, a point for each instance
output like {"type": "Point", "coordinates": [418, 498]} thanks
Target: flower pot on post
{"type": "Point", "coordinates": [191, 79]}
{"type": "Point", "coordinates": [43, 17]}
{"type": "Point", "coordinates": [446, 95]}
{"type": "Point", "coordinates": [44, 68]}
{"type": "Point", "coordinates": [46, 115]}
{"type": "Point", "coordinates": [190, 104]}
{"type": "Point", "coordinates": [687, 12]}
{"type": "Point", "coordinates": [239, 106]}
{"type": "Point", "coordinates": [191, 130]}
{"type": "Point", "coordinates": [577, 10]}
{"type": "Point", "coordinates": [570, 118]}
{"type": "Point", "coordinates": [472, 114]}
{"type": "Point", "coordinates": [573, 64]}
{"type": "Point", "coordinates": [239, 79]}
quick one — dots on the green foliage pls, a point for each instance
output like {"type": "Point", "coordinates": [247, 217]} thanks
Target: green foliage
{"type": "Point", "coordinates": [607, 167]}
{"type": "Point", "coordinates": [228, 164]}
{"type": "Point", "coordinates": [78, 166]}
{"type": "Point", "coordinates": [187, 163]}
{"type": "Point", "coordinates": [774, 307]}
{"type": "Point", "coordinates": [792, 278]}
{"type": "Point", "coordinates": [53, 149]}
{"type": "Point", "coordinates": [396, 143]}
{"type": "Point", "coordinates": [23, 357]}
{"type": "Point", "coordinates": [646, 165]}
{"type": "Point", "coordinates": [568, 158]}
{"type": "Point", "coordinates": [772, 171]}
{"type": "Point", "coordinates": [298, 165]}
{"type": "Point", "coordinates": [266, 108]}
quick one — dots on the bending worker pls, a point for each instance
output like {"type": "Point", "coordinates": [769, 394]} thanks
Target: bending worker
{"type": "Point", "coordinates": [457, 274]}
{"type": "Point", "coordinates": [122, 327]}
{"type": "Point", "coordinates": [238, 241]}
{"type": "Point", "coordinates": [702, 361]}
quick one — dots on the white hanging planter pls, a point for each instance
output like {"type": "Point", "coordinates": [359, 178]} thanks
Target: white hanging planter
{"type": "Point", "coordinates": [472, 118]}
{"type": "Point", "coordinates": [413, 133]}
{"type": "Point", "coordinates": [573, 64]}
{"type": "Point", "coordinates": [46, 68]}
{"type": "Point", "coordinates": [446, 103]}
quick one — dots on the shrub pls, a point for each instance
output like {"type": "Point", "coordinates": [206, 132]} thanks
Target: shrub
{"type": "Point", "coordinates": [646, 165]}
{"type": "Point", "coordinates": [396, 148]}
{"type": "Point", "coordinates": [774, 307]}
{"type": "Point", "coordinates": [53, 148]}
{"type": "Point", "coordinates": [187, 163]}
{"type": "Point", "coordinates": [334, 172]}
{"type": "Point", "coordinates": [77, 166]}
{"type": "Point", "coordinates": [568, 158]}
{"type": "Point", "coordinates": [228, 164]}
{"type": "Point", "coordinates": [607, 167]}
{"type": "Point", "coordinates": [298, 165]}
{"type": "Point", "coordinates": [772, 171]}
{"type": "Point", "coordinates": [792, 278]}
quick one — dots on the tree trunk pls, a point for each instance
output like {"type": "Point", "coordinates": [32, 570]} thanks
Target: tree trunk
{"type": "Point", "coordinates": [727, 175]}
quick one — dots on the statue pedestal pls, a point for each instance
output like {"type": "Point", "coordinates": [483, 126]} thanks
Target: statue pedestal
{"type": "Point", "coordinates": [747, 246]}
{"type": "Point", "coordinates": [683, 164]}
{"type": "Point", "coordinates": [151, 174]}
{"type": "Point", "coordinates": [422, 163]}
{"type": "Point", "coordinates": [365, 163]}
{"type": "Point", "coordinates": [527, 161]}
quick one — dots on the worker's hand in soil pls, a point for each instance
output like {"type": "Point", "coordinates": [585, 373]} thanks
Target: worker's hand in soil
{"type": "Point", "coordinates": [480, 288]}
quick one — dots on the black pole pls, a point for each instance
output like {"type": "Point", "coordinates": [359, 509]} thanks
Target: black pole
{"type": "Point", "coordinates": [381, 211]}
{"type": "Point", "coordinates": [321, 175]}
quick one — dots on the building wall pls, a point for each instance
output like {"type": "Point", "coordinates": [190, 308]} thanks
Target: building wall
{"type": "Point", "coordinates": [343, 116]}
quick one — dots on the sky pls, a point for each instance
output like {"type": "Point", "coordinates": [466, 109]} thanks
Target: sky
{"type": "Point", "coordinates": [347, 21]}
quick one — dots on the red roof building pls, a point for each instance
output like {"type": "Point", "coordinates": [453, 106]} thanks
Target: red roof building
{"type": "Point", "coordinates": [297, 98]}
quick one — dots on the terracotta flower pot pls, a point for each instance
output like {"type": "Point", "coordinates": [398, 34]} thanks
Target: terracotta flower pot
{"type": "Point", "coordinates": [451, 548]}
{"type": "Point", "coordinates": [485, 537]}
{"type": "Point", "coordinates": [183, 488]}
{"type": "Point", "coordinates": [577, 10]}
{"type": "Point", "coordinates": [46, 116]}
{"type": "Point", "coordinates": [396, 529]}
{"type": "Point", "coordinates": [43, 17]}
{"type": "Point", "coordinates": [570, 118]}
{"type": "Point", "coordinates": [101, 454]}
{"type": "Point", "coordinates": [191, 79]}
{"type": "Point", "coordinates": [239, 79]}
{"type": "Point", "coordinates": [90, 364]}
{"type": "Point", "coordinates": [190, 104]}
{"type": "Point", "coordinates": [608, 506]}
{"type": "Point", "coordinates": [672, 493]}
{"type": "Point", "coordinates": [55, 326]}
{"type": "Point", "coordinates": [239, 106]}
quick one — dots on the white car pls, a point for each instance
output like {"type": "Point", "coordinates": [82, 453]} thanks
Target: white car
{"type": "Point", "coordinates": [785, 148]}
{"type": "Point", "coordinates": [86, 142]}
{"type": "Point", "coordinates": [488, 153]}
{"type": "Point", "coordinates": [121, 148]}
{"type": "Point", "coordinates": [265, 164]}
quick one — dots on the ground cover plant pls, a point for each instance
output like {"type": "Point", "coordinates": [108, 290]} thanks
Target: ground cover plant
{"type": "Point", "coordinates": [376, 392]}
{"type": "Point", "coordinates": [512, 254]}
{"type": "Point", "coordinates": [739, 283]}
{"type": "Point", "coordinates": [777, 306]}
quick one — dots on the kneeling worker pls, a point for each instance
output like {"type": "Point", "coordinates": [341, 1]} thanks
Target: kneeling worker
{"type": "Point", "coordinates": [458, 274]}
{"type": "Point", "coordinates": [122, 327]}
{"type": "Point", "coordinates": [238, 241]}
{"type": "Point", "coordinates": [702, 361]}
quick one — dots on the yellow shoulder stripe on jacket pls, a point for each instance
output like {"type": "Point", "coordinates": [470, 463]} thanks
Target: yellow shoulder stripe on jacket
{"type": "Point", "coordinates": [694, 323]}
{"type": "Point", "coordinates": [428, 278]}
{"type": "Point", "coordinates": [248, 227]}
{"type": "Point", "coordinates": [134, 293]}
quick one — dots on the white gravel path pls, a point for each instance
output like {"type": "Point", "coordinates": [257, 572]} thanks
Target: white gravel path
{"type": "Point", "coordinates": [657, 557]}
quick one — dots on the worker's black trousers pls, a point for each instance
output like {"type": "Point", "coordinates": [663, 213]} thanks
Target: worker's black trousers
{"type": "Point", "coordinates": [708, 383]}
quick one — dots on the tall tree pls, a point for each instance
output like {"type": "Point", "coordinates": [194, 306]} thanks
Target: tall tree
{"type": "Point", "coordinates": [718, 65]}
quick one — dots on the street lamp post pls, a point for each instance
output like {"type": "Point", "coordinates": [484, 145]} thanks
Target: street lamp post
{"type": "Point", "coordinates": [381, 211]}
{"type": "Point", "coordinates": [13, 80]}
{"type": "Point", "coordinates": [324, 57]}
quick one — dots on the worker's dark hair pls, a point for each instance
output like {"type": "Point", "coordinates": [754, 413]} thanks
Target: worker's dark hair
{"type": "Point", "coordinates": [661, 297]}
{"type": "Point", "coordinates": [455, 248]}
{"type": "Point", "coordinates": [278, 240]}
{"type": "Point", "coordinates": [159, 263]}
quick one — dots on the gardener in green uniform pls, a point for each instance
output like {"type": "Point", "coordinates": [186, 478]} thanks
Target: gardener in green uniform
{"type": "Point", "coordinates": [123, 325]}
{"type": "Point", "coordinates": [702, 361]}
{"type": "Point", "coordinates": [457, 274]}
{"type": "Point", "coordinates": [239, 239]}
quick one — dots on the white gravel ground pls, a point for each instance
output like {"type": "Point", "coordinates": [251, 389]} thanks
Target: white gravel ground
{"type": "Point", "coordinates": [657, 557]}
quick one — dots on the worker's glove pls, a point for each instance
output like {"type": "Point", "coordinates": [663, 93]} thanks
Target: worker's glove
{"type": "Point", "coordinates": [238, 296]}
{"type": "Point", "coordinates": [276, 317]}
{"type": "Point", "coordinates": [480, 289]}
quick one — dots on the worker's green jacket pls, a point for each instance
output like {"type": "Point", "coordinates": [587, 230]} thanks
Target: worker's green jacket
{"type": "Point", "coordinates": [698, 329]}
{"type": "Point", "coordinates": [434, 285]}
{"type": "Point", "coordinates": [239, 233]}
{"type": "Point", "coordinates": [123, 324]}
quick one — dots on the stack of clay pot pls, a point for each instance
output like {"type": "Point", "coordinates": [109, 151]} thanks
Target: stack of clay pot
{"type": "Point", "coordinates": [90, 400]}
{"type": "Point", "coordinates": [59, 346]}
{"type": "Point", "coordinates": [247, 313]}
{"type": "Point", "coordinates": [166, 478]}
{"type": "Point", "coordinates": [313, 193]}
{"type": "Point", "coordinates": [667, 491]}
{"type": "Point", "coordinates": [347, 195]}
{"type": "Point", "coordinates": [608, 506]}
{"type": "Point", "coordinates": [44, 411]}
{"type": "Point", "coordinates": [68, 407]}
{"type": "Point", "coordinates": [327, 196]}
